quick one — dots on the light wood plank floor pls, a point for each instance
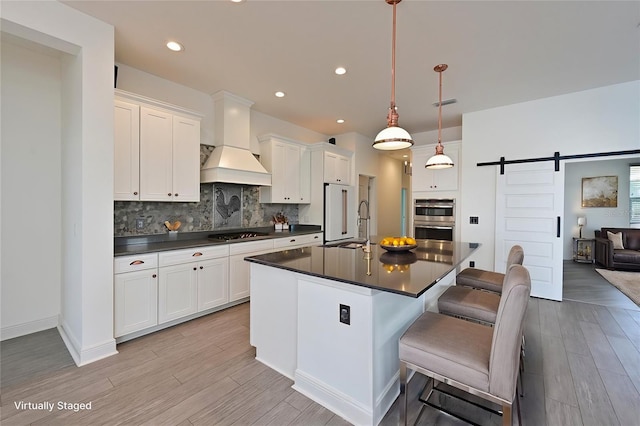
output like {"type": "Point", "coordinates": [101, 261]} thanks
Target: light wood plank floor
{"type": "Point", "coordinates": [582, 368]}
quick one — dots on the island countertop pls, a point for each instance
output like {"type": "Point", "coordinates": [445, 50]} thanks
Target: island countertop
{"type": "Point", "coordinates": [408, 273]}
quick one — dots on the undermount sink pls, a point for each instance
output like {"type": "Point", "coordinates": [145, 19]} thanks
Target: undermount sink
{"type": "Point", "coordinates": [352, 244]}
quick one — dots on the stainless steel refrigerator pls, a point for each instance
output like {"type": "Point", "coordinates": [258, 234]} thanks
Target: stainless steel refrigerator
{"type": "Point", "coordinates": [339, 212]}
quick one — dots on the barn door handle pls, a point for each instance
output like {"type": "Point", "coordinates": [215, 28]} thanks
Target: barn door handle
{"type": "Point", "coordinates": [558, 227]}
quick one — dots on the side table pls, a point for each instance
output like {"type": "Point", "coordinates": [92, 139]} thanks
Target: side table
{"type": "Point", "coordinates": [583, 250]}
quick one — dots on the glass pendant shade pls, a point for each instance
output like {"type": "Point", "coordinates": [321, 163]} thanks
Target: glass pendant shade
{"type": "Point", "coordinates": [439, 161]}
{"type": "Point", "coordinates": [392, 138]}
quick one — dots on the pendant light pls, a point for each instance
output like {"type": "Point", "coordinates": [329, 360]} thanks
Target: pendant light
{"type": "Point", "coordinates": [393, 137]}
{"type": "Point", "coordinates": [439, 161]}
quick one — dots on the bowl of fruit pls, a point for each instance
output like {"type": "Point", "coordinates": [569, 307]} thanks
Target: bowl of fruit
{"type": "Point", "coordinates": [398, 243]}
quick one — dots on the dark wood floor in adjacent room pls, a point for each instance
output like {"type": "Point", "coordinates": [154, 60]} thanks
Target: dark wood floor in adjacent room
{"type": "Point", "coordinates": [582, 368]}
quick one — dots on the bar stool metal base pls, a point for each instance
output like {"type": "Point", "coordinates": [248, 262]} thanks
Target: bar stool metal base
{"type": "Point", "coordinates": [433, 386]}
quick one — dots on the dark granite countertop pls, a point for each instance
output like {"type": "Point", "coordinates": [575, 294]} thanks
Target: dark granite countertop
{"type": "Point", "coordinates": [407, 273]}
{"type": "Point", "coordinates": [124, 246]}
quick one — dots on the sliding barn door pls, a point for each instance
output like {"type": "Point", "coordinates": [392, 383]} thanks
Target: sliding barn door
{"type": "Point", "coordinates": [529, 212]}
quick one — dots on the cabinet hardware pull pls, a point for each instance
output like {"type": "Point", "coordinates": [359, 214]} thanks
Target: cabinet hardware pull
{"type": "Point", "coordinates": [153, 276]}
{"type": "Point", "coordinates": [292, 241]}
{"type": "Point", "coordinates": [315, 238]}
{"type": "Point", "coordinates": [169, 194]}
{"type": "Point", "coordinates": [201, 267]}
{"type": "Point", "coordinates": [135, 192]}
{"type": "Point", "coordinates": [136, 262]}
{"type": "Point", "coordinates": [196, 254]}
{"type": "Point", "coordinates": [558, 228]}
{"type": "Point", "coordinates": [176, 194]}
{"type": "Point", "coordinates": [194, 268]}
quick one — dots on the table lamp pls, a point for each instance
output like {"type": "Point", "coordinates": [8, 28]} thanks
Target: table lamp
{"type": "Point", "coordinates": [581, 222]}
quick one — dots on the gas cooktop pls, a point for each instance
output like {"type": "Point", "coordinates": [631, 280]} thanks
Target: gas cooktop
{"type": "Point", "coordinates": [236, 236]}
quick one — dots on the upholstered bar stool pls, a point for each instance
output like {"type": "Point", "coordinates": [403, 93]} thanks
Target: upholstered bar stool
{"type": "Point", "coordinates": [470, 304]}
{"type": "Point", "coordinates": [489, 280]}
{"type": "Point", "coordinates": [475, 358]}
{"type": "Point", "coordinates": [477, 304]}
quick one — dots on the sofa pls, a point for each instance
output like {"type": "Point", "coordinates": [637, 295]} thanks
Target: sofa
{"type": "Point", "coordinates": [614, 258]}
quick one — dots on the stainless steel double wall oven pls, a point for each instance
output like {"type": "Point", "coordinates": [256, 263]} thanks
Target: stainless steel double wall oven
{"type": "Point", "coordinates": [434, 219]}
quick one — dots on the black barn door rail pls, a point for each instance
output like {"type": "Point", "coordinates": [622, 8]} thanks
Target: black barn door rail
{"type": "Point", "coordinates": [556, 158]}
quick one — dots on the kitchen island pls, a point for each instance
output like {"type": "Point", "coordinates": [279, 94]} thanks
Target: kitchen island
{"type": "Point", "coordinates": [330, 318]}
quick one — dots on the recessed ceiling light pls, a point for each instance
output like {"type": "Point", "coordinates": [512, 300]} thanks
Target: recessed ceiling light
{"type": "Point", "coordinates": [237, 1]}
{"type": "Point", "coordinates": [341, 71]}
{"type": "Point", "coordinates": [175, 46]}
{"type": "Point", "coordinates": [339, 121]}
{"type": "Point", "coordinates": [280, 94]}
{"type": "Point", "coordinates": [405, 156]}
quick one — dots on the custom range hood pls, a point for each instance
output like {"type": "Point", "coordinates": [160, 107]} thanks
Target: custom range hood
{"type": "Point", "coordinates": [231, 160]}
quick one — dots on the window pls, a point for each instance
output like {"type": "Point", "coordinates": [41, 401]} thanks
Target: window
{"type": "Point", "coordinates": [634, 193]}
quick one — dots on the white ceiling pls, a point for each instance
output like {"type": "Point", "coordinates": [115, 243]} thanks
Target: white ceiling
{"type": "Point", "coordinates": [498, 52]}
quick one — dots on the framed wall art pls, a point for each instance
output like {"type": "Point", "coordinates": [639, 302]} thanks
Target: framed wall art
{"type": "Point", "coordinates": [601, 191]}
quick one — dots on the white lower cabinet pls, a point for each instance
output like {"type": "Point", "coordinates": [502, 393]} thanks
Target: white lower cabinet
{"type": "Point", "coordinates": [213, 283]}
{"type": "Point", "coordinates": [177, 292]}
{"type": "Point", "coordinates": [239, 269]}
{"type": "Point", "coordinates": [156, 288]}
{"type": "Point", "coordinates": [191, 281]}
{"type": "Point", "coordinates": [298, 241]}
{"type": "Point", "coordinates": [135, 293]}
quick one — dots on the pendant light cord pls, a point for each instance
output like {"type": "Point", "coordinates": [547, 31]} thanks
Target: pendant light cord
{"type": "Point", "coordinates": [393, 60]}
{"type": "Point", "coordinates": [440, 69]}
{"type": "Point", "coordinates": [440, 110]}
{"type": "Point", "coordinates": [392, 117]}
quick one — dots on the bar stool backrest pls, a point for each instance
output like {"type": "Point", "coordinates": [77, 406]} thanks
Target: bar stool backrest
{"type": "Point", "coordinates": [507, 332]}
{"type": "Point", "coordinates": [516, 256]}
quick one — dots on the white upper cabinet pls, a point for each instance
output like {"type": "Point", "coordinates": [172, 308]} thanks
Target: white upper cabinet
{"type": "Point", "coordinates": [126, 179]}
{"type": "Point", "coordinates": [289, 165]}
{"type": "Point", "coordinates": [186, 159]}
{"type": "Point", "coordinates": [157, 151]}
{"type": "Point", "coordinates": [337, 168]}
{"type": "Point", "coordinates": [428, 180]}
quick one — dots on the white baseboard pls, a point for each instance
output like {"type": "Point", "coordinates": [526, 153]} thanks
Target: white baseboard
{"type": "Point", "coordinates": [72, 344]}
{"type": "Point", "coordinates": [336, 401]}
{"type": "Point", "coordinates": [387, 397]}
{"type": "Point", "coordinates": [82, 356]}
{"type": "Point", "coordinates": [273, 367]}
{"type": "Point", "coordinates": [18, 330]}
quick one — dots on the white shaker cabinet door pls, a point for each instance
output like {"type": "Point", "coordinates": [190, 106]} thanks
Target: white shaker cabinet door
{"type": "Point", "coordinates": [213, 283]}
{"type": "Point", "coordinates": [126, 178]}
{"type": "Point", "coordinates": [239, 269]}
{"type": "Point", "coordinates": [156, 155]}
{"type": "Point", "coordinates": [186, 159]}
{"type": "Point", "coordinates": [177, 291]}
{"type": "Point", "coordinates": [136, 301]}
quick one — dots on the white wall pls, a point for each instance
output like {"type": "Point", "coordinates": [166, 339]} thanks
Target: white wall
{"type": "Point", "coordinates": [86, 317]}
{"type": "Point", "coordinates": [31, 189]}
{"type": "Point", "coordinates": [261, 124]}
{"type": "Point", "coordinates": [149, 85]}
{"type": "Point", "coordinates": [142, 83]}
{"type": "Point", "coordinates": [598, 120]}
{"type": "Point", "coordinates": [597, 217]}
{"type": "Point", "coordinates": [388, 192]}
{"type": "Point", "coordinates": [449, 134]}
